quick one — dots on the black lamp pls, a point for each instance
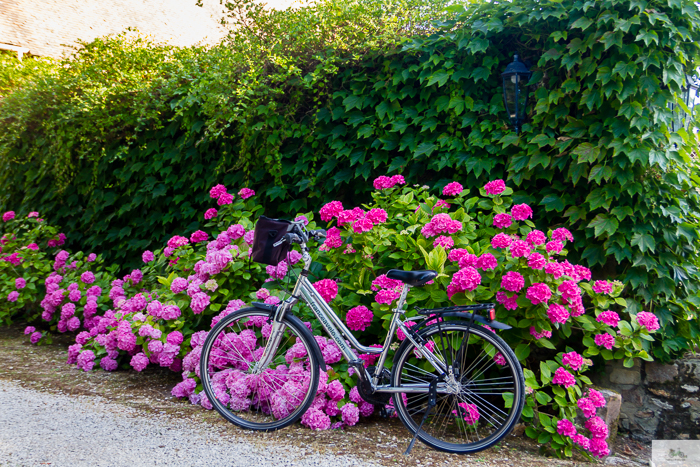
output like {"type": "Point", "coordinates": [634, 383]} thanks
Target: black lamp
{"type": "Point", "coordinates": [516, 92]}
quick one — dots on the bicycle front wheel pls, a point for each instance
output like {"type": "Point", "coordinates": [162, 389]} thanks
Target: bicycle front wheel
{"type": "Point", "coordinates": [263, 399]}
{"type": "Point", "coordinates": [478, 405]}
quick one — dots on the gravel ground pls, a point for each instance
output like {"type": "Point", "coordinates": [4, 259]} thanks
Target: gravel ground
{"type": "Point", "coordinates": [40, 428]}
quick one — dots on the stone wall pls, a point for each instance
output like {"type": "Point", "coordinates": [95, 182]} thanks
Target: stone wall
{"type": "Point", "coordinates": [50, 27]}
{"type": "Point", "coordinates": [658, 401]}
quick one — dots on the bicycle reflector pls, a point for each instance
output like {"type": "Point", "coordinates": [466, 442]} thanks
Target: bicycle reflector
{"type": "Point", "coordinates": [492, 314]}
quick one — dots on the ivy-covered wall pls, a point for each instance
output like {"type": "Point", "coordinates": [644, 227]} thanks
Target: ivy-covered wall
{"type": "Point", "coordinates": [597, 153]}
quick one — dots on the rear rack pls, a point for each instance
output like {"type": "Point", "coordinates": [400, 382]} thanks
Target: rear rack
{"type": "Point", "coordinates": [477, 307]}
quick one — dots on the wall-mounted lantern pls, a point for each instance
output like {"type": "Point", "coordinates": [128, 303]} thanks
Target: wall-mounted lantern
{"type": "Point", "coordinates": [516, 91]}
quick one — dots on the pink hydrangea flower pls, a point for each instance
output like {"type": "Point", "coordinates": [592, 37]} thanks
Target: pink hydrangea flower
{"type": "Point", "coordinates": [563, 378]}
{"type": "Point", "coordinates": [509, 303]}
{"type": "Point", "coordinates": [382, 182]}
{"type": "Point", "coordinates": [8, 216]}
{"type": "Point", "coordinates": [566, 428]}
{"type": "Point", "coordinates": [199, 302]}
{"type": "Point", "coordinates": [217, 191]}
{"type": "Point", "coordinates": [398, 180]}
{"type": "Point", "coordinates": [555, 246]}
{"type": "Point", "coordinates": [86, 360]}
{"type": "Point", "coordinates": [538, 293]}
{"type": "Point", "coordinates": [513, 281]}
{"type": "Point", "coordinates": [557, 313]}
{"type": "Point", "coordinates": [536, 261]}
{"type": "Point", "coordinates": [586, 406]}
{"type": "Point", "coordinates": [362, 225]}
{"type": "Point", "coordinates": [20, 283]}
{"type": "Point", "coordinates": [520, 212]}
{"type": "Point", "coordinates": [604, 340]}
{"type": "Point", "coordinates": [316, 419]}
{"type": "Point", "coordinates": [501, 240]}
{"type": "Point", "coordinates": [33, 246]}
{"type": "Point", "coordinates": [386, 296]}
{"type": "Point", "coordinates": [495, 187]}
{"type": "Point", "coordinates": [648, 321]}
{"type": "Point", "coordinates": [470, 412]}
{"type": "Point", "coordinates": [327, 288]}
{"type": "Point", "coordinates": [441, 223]}
{"type": "Point", "coordinates": [597, 427]}
{"type": "Point", "coordinates": [596, 398]}
{"type": "Point", "coordinates": [87, 277]}
{"type": "Point", "coordinates": [139, 362]}
{"type": "Point", "coordinates": [519, 249]}
{"type": "Point", "coordinates": [608, 317]}
{"type": "Point", "coordinates": [582, 273]}
{"type": "Point", "coordinates": [246, 193]}
{"type": "Point", "coordinates": [331, 210]}
{"type": "Point", "coordinates": [350, 414]}
{"type": "Point", "coordinates": [502, 221]}
{"type": "Point", "coordinates": [562, 234]}
{"type": "Point", "coordinates": [199, 236]}
{"type": "Point", "coordinates": [177, 241]}
{"type": "Point", "coordinates": [359, 318]}
{"type": "Point", "coordinates": [91, 257]}
{"type": "Point", "coordinates": [35, 337]}
{"type": "Point", "coordinates": [13, 296]}
{"type": "Point", "coordinates": [28, 330]}
{"type": "Point", "coordinates": [539, 335]}
{"type": "Point", "coordinates": [536, 237]}
{"type": "Point", "coordinates": [602, 287]}
{"type": "Point", "coordinates": [572, 360]}
{"type": "Point", "coordinates": [487, 262]}
{"type": "Point", "coordinates": [457, 254]}
{"type": "Point", "coordinates": [554, 268]}
{"type": "Point", "coordinates": [225, 199]}
{"type": "Point", "coordinates": [598, 448]}
{"type": "Point", "coordinates": [468, 260]}
{"type": "Point", "coordinates": [147, 256]}
{"type": "Point", "coordinates": [466, 279]}
{"type": "Point", "coordinates": [33, 214]}
{"type": "Point", "coordinates": [581, 441]}
{"type": "Point", "coordinates": [210, 213]}
{"type": "Point", "coordinates": [444, 241]}
{"type": "Point", "coordinates": [108, 364]}
{"type": "Point", "coordinates": [452, 189]}
{"type": "Point", "coordinates": [376, 216]}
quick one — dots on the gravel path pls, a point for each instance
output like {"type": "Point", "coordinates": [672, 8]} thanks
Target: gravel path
{"type": "Point", "coordinates": [38, 428]}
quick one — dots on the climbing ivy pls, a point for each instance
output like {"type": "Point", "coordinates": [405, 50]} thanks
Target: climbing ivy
{"type": "Point", "coordinates": [315, 121]}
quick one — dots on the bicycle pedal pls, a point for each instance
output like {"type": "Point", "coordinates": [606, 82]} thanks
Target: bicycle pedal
{"type": "Point", "coordinates": [386, 413]}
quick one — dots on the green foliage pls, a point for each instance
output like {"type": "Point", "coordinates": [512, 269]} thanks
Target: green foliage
{"type": "Point", "coordinates": [14, 73]}
{"type": "Point", "coordinates": [302, 117]}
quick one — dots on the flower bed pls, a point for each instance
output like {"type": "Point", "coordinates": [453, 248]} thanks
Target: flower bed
{"type": "Point", "coordinates": [484, 248]}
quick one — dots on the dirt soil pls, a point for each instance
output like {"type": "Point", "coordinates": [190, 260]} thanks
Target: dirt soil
{"type": "Point", "coordinates": [379, 440]}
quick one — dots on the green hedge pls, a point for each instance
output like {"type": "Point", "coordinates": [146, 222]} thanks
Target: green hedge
{"type": "Point", "coordinates": [598, 152]}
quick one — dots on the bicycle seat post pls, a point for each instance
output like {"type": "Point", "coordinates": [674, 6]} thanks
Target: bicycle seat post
{"type": "Point", "coordinates": [402, 299]}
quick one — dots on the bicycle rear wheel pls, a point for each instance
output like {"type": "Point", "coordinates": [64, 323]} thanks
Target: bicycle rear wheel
{"type": "Point", "coordinates": [477, 407]}
{"type": "Point", "coordinates": [267, 399]}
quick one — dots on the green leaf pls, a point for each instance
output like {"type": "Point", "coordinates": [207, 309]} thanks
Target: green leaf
{"type": "Point", "coordinates": [522, 351]}
{"type": "Point", "coordinates": [602, 223]}
{"type": "Point", "coordinates": [645, 242]}
{"type": "Point", "coordinates": [583, 23]}
{"type": "Point", "coordinates": [586, 152]}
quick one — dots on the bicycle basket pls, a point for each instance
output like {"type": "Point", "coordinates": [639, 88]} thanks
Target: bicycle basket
{"type": "Point", "coordinates": [267, 233]}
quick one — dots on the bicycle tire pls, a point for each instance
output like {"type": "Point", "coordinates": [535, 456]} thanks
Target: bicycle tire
{"type": "Point", "coordinates": [264, 422]}
{"type": "Point", "coordinates": [471, 393]}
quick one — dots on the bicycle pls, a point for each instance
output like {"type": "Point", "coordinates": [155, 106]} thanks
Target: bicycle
{"type": "Point", "coordinates": [455, 384]}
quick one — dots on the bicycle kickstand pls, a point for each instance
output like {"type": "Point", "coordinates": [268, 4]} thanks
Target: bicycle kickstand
{"type": "Point", "coordinates": [432, 402]}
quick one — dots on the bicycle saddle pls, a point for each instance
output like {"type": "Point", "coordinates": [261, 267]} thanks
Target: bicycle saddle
{"type": "Point", "coordinates": [412, 278]}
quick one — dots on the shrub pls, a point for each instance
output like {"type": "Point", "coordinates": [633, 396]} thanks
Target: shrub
{"type": "Point", "coordinates": [302, 123]}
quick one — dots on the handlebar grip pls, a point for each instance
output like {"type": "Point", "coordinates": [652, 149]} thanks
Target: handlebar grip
{"type": "Point", "coordinates": [319, 233]}
{"type": "Point", "coordinates": [293, 238]}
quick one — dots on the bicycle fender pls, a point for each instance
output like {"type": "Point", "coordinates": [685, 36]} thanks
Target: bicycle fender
{"type": "Point", "coordinates": [478, 318]}
{"type": "Point", "coordinates": [304, 330]}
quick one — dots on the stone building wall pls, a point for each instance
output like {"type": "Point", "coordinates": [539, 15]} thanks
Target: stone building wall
{"type": "Point", "coordinates": [47, 27]}
{"type": "Point", "coordinates": [659, 401]}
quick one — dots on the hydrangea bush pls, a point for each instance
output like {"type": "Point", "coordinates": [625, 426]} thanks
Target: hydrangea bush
{"type": "Point", "coordinates": [485, 249]}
